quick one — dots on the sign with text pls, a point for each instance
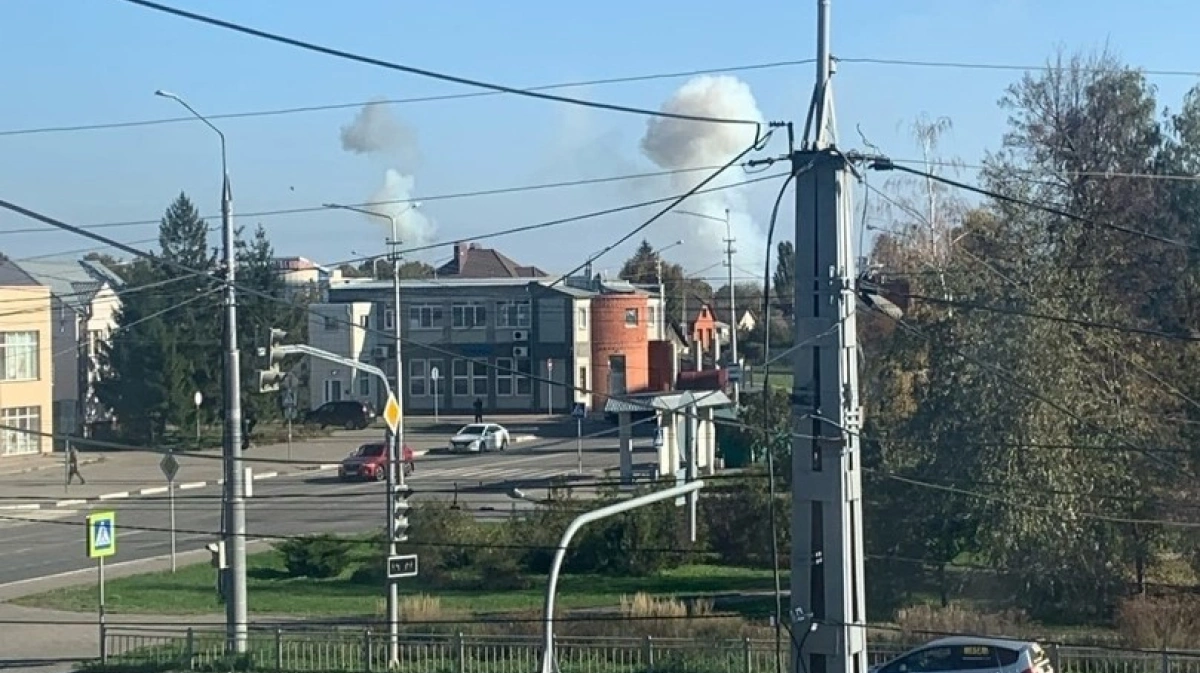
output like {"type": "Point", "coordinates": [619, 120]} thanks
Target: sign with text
{"type": "Point", "coordinates": [402, 566]}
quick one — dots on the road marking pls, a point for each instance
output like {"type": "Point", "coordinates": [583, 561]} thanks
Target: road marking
{"type": "Point", "coordinates": [193, 484]}
{"type": "Point", "coordinates": [152, 491]}
{"type": "Point", "coordinates": [70, 503]}
{"type": "Point", "coordinates": [114, 496]}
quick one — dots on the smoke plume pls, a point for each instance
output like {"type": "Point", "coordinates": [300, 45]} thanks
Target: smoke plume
{"type": "Point", "coordinates": [375, 130]}
{"type": "Point", "coordinates": [676, 144]}
{"type": "Point", "coordinates": [394, 199]}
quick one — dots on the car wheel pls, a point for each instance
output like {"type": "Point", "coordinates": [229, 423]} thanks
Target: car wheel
{"type": "Point", "coordinates": [504, 444]}
{"type": "Point", "coordinates": [380, 474]}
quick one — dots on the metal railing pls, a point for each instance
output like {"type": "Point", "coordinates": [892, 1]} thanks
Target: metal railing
{"type": "Point", "coordinates": [363, 651]}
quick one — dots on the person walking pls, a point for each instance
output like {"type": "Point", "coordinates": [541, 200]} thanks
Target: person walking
{"type": "Point", "coordinates": [478, 409]}
{"type": "Point", "coordinates": [73, 466]}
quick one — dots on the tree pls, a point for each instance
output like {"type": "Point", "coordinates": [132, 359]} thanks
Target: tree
{"type": "Point", "coordinates": [382, 269]}
{"type": "Point", "coordinates": [784, 278]}
{"type": "Point", "coordinates": [642, 268]}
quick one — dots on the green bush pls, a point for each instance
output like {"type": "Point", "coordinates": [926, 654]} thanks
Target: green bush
{"type": "Point", "coordinates": [499, 570]}
{"type": "Point", "coordinates": [316, 556]}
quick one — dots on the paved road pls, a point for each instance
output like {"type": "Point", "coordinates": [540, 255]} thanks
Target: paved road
{"type": "Point", "coordinates": [49, 542]}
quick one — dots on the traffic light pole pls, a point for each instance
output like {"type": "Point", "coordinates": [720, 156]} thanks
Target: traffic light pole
{"type": "Point", "coordinates": [395, 472]}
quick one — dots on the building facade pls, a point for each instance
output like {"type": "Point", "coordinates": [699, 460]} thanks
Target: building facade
{"type": "Point", "coordinates": [84, 303]}
{"type": "Point", "coordinates": [26, 363]}
{"type": "Point", "coordinates": [519, 345]}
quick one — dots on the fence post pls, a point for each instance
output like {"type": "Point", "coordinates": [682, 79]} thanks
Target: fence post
{"type": "Point", "coordinates": [278, 649]}
{"type": "Point", "coordinates": [746, 655]}
{"type": "Point", "coordinates": [461, 648]}
{"type": "Point", "coordinates": [1056, 658]}
{"type": "Point", "coordinates": [1166, 661]}
{"type": "Point", "coordinates": [367, 653]}
{"type": "Point", "coordinates": [189, 648]}
{"type": "Point", "coordinates": [649, 654]}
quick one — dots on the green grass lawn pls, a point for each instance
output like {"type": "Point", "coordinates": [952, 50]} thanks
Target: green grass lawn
{"type": "Point", "coordinates": [191, 590]}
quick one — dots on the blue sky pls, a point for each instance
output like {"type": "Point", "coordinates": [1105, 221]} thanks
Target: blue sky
{"type": "Point", "coordinates": [94, 61]}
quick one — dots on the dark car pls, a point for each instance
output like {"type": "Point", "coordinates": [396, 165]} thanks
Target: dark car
{"type": "Point", "coordinates": [369, 461]}
{"type": "Point", "coordinates": [347, 414]}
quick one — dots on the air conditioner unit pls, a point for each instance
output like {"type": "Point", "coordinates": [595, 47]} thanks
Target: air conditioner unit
{"type": "Point", "coordinates": [381, 352]}
{"type": "Point", "coordinates": [520, 351]}
{"type": "Point", "coordinates": [520, 335]}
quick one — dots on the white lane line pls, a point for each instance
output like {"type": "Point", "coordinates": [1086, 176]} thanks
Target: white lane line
{"type": "Point", "coordinates": [194, 484]}
{"type": "Point", "coordinates": [114, 496]}
{"type": "Point", "coordinates": [70, 503]}
{"type": "Point", "coordinates": [152, 491]}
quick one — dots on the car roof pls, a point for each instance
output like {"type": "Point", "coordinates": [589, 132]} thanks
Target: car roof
{"type": "Point", "coordinates": [951, 641]}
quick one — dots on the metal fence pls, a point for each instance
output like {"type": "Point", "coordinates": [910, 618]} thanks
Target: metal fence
{"type": "Point", "coordinates": [363, 651]}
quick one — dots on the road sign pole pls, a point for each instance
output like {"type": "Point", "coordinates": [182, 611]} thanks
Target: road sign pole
{"type": "Point", "coordinates": [579, 442]}
{"type": "Point", "coordinates": [100, 609]}
{"type": "Point", "coordinates": [289, 437]}
{"type": "Point", "coordinates": [171, 505]}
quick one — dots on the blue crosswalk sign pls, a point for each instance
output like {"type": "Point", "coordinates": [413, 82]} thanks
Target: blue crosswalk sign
{"type": "Point", "coordinates": [101, 534]}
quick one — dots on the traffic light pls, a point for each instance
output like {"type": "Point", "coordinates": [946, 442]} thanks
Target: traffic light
{"type": "Point", "coordinates": [272, 377]}
{"type": "Point", "coordinates": [400, 507]}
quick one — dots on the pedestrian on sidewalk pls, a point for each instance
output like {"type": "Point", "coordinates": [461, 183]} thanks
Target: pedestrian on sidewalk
{"type": "Point", "coordinates": [73, 466]}
{"type": "Point", "coordinates": [478, 409]}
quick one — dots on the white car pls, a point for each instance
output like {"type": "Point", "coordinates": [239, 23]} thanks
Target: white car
{"type": "Point", "coordinates": [969, 654]}
{"type": "Point", "coordinates": [479, 437]}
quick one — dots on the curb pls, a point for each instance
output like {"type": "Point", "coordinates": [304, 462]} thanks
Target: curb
{"type": "Point", "coordinates": [42, 468]}
{"type": "Point", "coordinates": [157, 490]}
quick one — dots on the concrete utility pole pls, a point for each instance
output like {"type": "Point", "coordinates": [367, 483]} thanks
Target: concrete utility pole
{"type": "Point", "coordinates": [733, 318]}
{"type": "Point", "coordinates": [234, 532]}
{"type": "Point", "coordinates": [827, 585]}
{"type": "Point", "coordinates": [395, 472]}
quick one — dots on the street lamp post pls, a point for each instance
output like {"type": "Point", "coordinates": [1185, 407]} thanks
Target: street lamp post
{"type": "Point", "coordinates": [395, 477]}
{"type": "Point", "coordinates": [234, 510]}
{"type": "Point", "coordinates": [733, 320]}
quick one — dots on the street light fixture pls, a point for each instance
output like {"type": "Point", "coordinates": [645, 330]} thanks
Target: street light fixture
{"type": "Point", "coordinates": [395, 478]}
{"type": "Point", "coordinates": [233, 530]}
{"type": "Point", "coordinates": [733, 320]}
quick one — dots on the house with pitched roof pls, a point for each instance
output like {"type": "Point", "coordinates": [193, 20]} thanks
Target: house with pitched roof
{"type": "Point", "coordinates": [26, 363]}
{"type": "Point", "coordinates": [84, 302]}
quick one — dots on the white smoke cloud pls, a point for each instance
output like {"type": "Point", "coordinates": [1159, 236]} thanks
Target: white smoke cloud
{"type": "Point", "coordinates": [675, 144]}
{"type": "Point", "coordinates": [375, 130]}
{"type": "Point", "coordinates": [394, 199]}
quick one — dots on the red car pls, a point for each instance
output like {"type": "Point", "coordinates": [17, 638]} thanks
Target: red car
{"type": "Point", "coordinates": [369, 462]}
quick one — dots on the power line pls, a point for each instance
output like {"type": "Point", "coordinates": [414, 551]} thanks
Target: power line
{"type": "Point", "coordinates": [969, 65]}
{"type": "Point", "coordinates": [885, 164]}
{"type": "Point", "coordinates": [403, 101]}
{"type": "Point", "coordinates": [495, 191]}
{"type": "Point", "coordinates": [478, 84]}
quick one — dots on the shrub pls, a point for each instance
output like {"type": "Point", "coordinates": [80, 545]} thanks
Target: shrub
{"type": "Point", "coordinates": [316, 556]}
{"type": "Point", "coordinates": [501, 571]}
{"type": "Point", "coordinates": [739, 523]}
{"type": "Point", "coordinates": [1168, 622]}
{"type": "Point", "coordinates": [922, 622]}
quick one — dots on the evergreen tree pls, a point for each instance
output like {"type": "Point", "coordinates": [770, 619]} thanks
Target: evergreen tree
{"type": "Point", "coordinates": [642, 268]}
{"type": "Point", "coordinates": [784, 278]}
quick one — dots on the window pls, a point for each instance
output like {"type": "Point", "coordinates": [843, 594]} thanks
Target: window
{"type": "Point", "coordinates": [581, 319]}
{"type": "Point", "coordinates": [418, 371]}
{"type": "Point", "coordinates": [424, 317]}
{"type": "Point", "coordinates": [512, 313]}
{"type": "Point", "coordinates": [13, 441]}
{"type": "Point", "coordinates": [504, 377]}
{"type": "Point", "coordinates": [524, 383]}
{"type": "Point", "coordinates": [364, 385]}
{"type": "Point", "coordinates": [460, 379]}
{"type": "Point", "coordinates": [468, 315]}
{"type": "Point", "coordinates": [18, 356]}
{"type": "Point", "coordinates": [333, 390]}
{"type": "Point", "coordinates": [331, 323]}
{"type": "Point", "coordinates": [479, 378]}
{"type": "Point", "coordinates": [581, 382]}
{"type": "Point", "coordinates": [364, 321]}
{"type": "Point", "coordinates": [631, 317]}
{"type": "Point", "coordinates": [389, 318]}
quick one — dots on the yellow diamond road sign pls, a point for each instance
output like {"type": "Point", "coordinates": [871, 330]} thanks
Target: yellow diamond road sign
{"type": "Point", "coordinates": [391, 413]}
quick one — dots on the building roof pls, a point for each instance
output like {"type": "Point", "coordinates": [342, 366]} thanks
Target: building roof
{"type": "Point", "coordinates": [74, 282]}
{"type": "Point", "coordinates": [472, 261]}
{"type": "Point", "coordinates": [668, 401]}
{"type": "Point", "coordinates": [12, 275]}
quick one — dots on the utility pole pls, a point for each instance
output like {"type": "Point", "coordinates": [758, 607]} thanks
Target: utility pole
{"type": "Point", "coordinates": [395, 471]}
{"type": "Point", "coordinates": [733, 319]}
{"type": "Point", "coordinates": [234, 511]}
{"type": "Point", "coordinates": [828, 606]}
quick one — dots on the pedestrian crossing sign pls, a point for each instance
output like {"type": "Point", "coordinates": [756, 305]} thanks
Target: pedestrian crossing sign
{"type": "Point", "coordinates": [101, 534]}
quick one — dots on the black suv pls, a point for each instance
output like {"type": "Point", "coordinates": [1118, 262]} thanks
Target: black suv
{"type": "Point", "coordinates": [347, 414]}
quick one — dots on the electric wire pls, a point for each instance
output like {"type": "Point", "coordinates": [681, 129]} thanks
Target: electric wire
{"type": "Point", "coordinates": [430, 74]}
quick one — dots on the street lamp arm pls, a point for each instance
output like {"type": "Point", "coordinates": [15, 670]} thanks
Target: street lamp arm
{"type": "Point", "coordinates": [548, 659]}
{"type": "Point", "coordinates": [197, 115]}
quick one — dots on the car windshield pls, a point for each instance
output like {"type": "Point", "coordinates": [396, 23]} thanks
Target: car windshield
{"type": "Point", "coordinates": [472, 430]}
{"type": "Point", "coordinates": [370, 450]}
